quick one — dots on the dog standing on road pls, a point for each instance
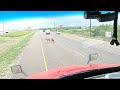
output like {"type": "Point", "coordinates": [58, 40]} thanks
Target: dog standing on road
{"type": "Point", "coordinates": [48, 40]}
{"type": "Point", "coordinates": [52, 40]}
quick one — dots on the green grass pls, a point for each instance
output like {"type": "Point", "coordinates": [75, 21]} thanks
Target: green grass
{"type": "Point", "coordinates": [10, 54]}
{"type": "Point", "coordinates": [4, 39]}
{"type": "Point", "coordinates": [84, 33]}
{"type": "Point", "coordinates": [16, 34]}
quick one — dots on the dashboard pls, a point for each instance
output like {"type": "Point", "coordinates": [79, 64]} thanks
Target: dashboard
{"type": "Point", "coordinates": [114, 75]}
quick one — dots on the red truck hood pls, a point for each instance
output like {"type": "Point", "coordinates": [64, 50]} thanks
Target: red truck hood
{"type": "Point", "coordinates": [66, 70]}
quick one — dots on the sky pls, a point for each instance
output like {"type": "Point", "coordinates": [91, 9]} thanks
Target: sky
{"type": "Point", "coordinates": [20, 20]}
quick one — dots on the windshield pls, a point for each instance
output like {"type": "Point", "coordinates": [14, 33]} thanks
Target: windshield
{"type": "Point", "coordinates": [44, 40]}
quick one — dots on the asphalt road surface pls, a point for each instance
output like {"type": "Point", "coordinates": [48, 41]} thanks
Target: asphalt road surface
{"type": "Point", "coordinates": [40, 55]}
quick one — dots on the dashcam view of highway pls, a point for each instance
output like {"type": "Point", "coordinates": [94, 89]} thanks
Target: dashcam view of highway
{"type": "Point", "coordinates": [47, 42]}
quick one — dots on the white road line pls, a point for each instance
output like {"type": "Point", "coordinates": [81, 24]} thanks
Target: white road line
{"type": "Point", "coordinates": [63, 46]}
{"type": "Point", "coordinates": [78, 53]}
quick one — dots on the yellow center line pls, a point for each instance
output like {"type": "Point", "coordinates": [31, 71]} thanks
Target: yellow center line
{"type": "Point", "coordinates": [44, 58]}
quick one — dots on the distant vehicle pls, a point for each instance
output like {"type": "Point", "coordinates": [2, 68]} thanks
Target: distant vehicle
{"type": "Point", "coordinates": [58, 32]}
{"type": "Point", "coordinates": [47, 31]}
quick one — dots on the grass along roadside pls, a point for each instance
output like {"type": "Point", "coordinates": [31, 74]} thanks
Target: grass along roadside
{"type": "Point", "coordinates": [16, 33]}
{"type": "Point", "coordinates": [87, 38]}
{"type": "Point", "coordinates": [11, 54]}
{"type": "Point", "coordinates": [84, 33]}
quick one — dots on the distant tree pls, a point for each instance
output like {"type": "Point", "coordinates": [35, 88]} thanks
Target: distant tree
{"type": "Point", "coordinates": [100, 30]}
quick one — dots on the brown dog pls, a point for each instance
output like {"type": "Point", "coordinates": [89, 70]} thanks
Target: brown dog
{"type": "Point", "coordinates": [48, 40]}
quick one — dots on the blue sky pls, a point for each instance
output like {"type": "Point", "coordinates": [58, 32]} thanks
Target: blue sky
{"type": "Point", "coordinates": [20, 20]}
{"type": "Point", "coordinates": [16, 15]}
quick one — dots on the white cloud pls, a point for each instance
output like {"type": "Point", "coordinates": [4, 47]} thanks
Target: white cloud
{"type": "Point", "coordinates": [50, 22]}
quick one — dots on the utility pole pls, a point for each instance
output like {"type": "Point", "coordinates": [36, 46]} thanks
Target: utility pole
{"type": "Point", "coordinates": [54, 24]}
{"type": "Point", "coordinates": [13, 27]}
{"type": "Point", "coordinates": [3, 26]}
{"type": "Point", "coordinates": [47, 26]}
{"type": "Point", "coordinates": [90, 27]}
